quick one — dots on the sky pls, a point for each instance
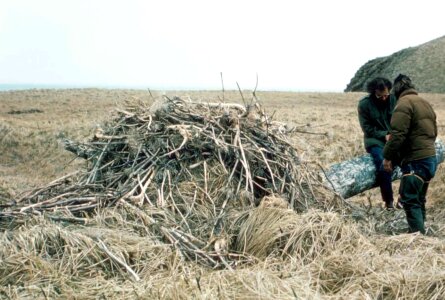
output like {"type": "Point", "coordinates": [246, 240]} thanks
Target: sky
{"type": "Point", "coordinates": [312, 45]}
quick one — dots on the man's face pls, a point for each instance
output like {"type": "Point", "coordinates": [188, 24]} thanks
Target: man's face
{"type": "Point", "coordinates": [382, 94]}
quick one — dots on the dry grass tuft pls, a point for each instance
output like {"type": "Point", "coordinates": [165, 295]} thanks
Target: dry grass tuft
{"type": "Point", "coordinates": [306, 236]}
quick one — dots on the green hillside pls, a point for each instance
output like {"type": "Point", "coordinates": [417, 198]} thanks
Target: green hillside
{"type": "Point", "coordinates": [425, 64]}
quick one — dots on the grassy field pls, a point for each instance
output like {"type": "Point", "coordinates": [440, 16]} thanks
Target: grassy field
{"type": "Point", "coordinates": [332, 257]}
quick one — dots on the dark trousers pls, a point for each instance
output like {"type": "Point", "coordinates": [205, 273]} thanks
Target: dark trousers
{"type": "Point", "coordinates": [383, 178]}
{"type": "Point", "coordinates": [413, 189]}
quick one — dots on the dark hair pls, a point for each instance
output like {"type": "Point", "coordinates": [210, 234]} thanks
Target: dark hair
{"type": "Point", "coordinates": [402, 83]}
{"type": "Point", "coordinates": [378, 84]}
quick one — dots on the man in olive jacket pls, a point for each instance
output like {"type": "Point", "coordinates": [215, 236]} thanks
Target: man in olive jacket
{"type": "Point", "coordinates": [374, 113]}
{"type": "Point", "coordinates": [413, 136]}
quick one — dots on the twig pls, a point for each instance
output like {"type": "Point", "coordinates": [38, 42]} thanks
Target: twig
{"type": "Point", "coordinates": [118, 260]}
{"type": "Point", "coordinates": [222, 85]}
{"type": "Point", "coordinates": [241, 93]}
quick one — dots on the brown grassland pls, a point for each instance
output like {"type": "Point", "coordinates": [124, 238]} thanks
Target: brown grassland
{"type": "Point", "coordinates": [337, 259]}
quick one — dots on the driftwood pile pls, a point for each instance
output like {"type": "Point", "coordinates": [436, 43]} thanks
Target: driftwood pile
{"type": "Point", "coordinates": [193, 172]}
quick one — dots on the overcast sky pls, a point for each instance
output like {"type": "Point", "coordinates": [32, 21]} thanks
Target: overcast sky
{"type": "Point", "coordinates": [312, 45]}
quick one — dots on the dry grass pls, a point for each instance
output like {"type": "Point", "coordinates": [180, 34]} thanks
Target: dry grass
{"type": "Point", "coordinates": [283, 255]}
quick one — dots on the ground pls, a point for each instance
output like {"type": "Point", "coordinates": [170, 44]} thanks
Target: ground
{"type": "Point", "coordinates": [336, 258]}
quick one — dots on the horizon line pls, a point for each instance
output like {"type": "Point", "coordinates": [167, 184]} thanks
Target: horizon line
{"type": "Point", "coordinates": [26, 86]}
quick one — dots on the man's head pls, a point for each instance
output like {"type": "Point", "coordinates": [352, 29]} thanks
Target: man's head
{"type": "Point", "coordinates": [402, 83]}
{"type": "Point", "coordinates": [379, 88]}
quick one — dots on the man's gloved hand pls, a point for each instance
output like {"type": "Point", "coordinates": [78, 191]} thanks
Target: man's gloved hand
{"type": "Point", "coordinates": [387, 165]}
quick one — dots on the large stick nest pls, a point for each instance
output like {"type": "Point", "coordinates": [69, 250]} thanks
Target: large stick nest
{"type": "Point", "coordinates": [192, 171]}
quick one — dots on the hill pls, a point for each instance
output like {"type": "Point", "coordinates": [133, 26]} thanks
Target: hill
{"type": "Point", "coordinates": [425, 64]}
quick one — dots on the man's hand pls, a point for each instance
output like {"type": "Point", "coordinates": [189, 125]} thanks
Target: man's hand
{"type": "Point", "coordinates": [387, 165]}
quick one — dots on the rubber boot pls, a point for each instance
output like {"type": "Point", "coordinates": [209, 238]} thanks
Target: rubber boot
{"type": "Point", "coordinates": [410, 191]}
{"type": "Point", "coordinates": [423, 198]}
{"type": "Point", "coordinates": [415, 220]}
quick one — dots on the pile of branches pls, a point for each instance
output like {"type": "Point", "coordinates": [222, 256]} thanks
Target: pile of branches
{"type": "Point", "coordinates": [194, 171]}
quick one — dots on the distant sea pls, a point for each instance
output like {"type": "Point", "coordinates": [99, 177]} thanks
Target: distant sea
{"type": "Point", "coordinates": [10, 87]}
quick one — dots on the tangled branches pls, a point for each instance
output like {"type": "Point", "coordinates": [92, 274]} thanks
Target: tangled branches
{"type": "Point", "coordinates": [202, 165]}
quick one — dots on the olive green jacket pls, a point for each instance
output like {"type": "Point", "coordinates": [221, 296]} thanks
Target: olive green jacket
{"type": "Point", "coordinates": [375, 119]}
{"type": "Point", "coordinates": [414, 129]}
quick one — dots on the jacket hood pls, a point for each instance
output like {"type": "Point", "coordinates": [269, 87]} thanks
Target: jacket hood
{"type": "Point", "coordinates": [408, 92]}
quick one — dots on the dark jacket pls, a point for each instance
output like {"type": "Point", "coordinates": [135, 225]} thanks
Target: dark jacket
{"type": "Point", "coordinates": [374, 116]}
{"type": "Point", "coordinates": [414, 129]}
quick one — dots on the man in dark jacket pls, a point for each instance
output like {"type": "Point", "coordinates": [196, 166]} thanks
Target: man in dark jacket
{"type": "Point", "coordinates": [413, 136]}
{"type": "Point", "coordinates": [374, 113]}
